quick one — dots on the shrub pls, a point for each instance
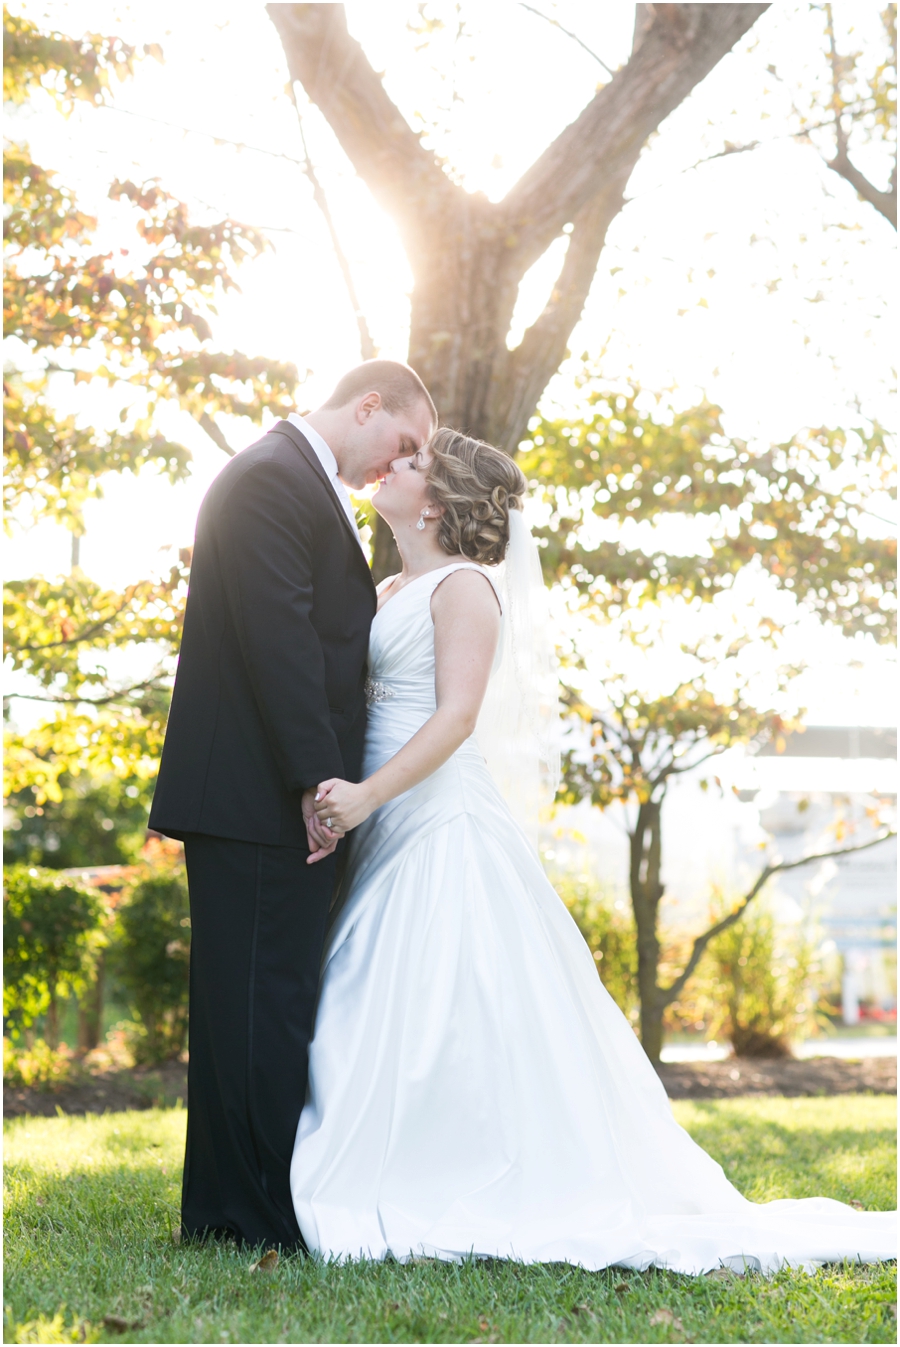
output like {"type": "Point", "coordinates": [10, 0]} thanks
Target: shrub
{"type": "Point", "coordinates": [608, 929]}
{"type": "Point", "coordinates": [51, 936]}
{"type": "Point", "coordinates": [39, 1066]}
{"type": "Point", "coordinates": [150, 957]}
{"type": "Point", "coordinates": [762, 984]}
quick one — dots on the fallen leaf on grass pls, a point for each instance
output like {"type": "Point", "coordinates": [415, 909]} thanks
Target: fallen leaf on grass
{"type": "Point", "coordinates": [41, 1201]}
{"type": "Point", "coordinates": [666, 1317]}
{"type": "Point", "coordinates": [268, 1262]}
{"type": "Point", "coordinates": [855, 1202]}
{"type": "Point", "coordinates": [582, 1309]}
{"type": "Point", "coordinates": [722, 1274]}
{"type": "Point", "coordinates": [621, 1287]}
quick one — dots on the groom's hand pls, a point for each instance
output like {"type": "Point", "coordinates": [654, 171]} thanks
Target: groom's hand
{"type": "Point", "coordinates": [321, 840]}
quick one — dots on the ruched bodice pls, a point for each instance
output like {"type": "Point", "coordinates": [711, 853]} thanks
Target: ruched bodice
{"type": "Point", "coordinates": [400, 689]}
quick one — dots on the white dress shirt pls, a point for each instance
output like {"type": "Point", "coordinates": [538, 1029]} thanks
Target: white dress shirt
{"type": "Point", "coordinates": [329, 463]}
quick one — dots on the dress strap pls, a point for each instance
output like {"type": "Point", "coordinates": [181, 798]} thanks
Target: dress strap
{"type": "Point", "coordinates": [444, 571]}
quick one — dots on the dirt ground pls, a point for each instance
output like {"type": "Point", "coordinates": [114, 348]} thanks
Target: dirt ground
{"type": "Point", "coordinates": [150, 1087]}
{"type": "Point", "coordinates": [103, 1092]}
{"type": "Point", "coordinates": [783, 1076]}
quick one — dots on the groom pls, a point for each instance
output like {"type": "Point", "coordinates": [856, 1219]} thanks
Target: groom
{"type": "Point", "coordinates": [269, 700]}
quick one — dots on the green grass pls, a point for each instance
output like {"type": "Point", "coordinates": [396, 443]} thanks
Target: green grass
{"type": "Point", "coordinates": [91, 1203]}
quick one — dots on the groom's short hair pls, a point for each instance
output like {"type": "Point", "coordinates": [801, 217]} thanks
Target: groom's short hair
{"type": "Point", "coordinates": [399, 386]}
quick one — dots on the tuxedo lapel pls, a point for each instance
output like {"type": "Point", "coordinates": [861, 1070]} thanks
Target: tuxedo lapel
{"type": "Point", "coordinates": [301, 443]}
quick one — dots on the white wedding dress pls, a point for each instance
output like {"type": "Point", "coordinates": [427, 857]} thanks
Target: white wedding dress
{"type": "Point", "coordinates": [473, 1087]}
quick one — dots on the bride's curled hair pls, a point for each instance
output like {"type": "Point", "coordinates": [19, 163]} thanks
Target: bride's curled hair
{"type": "Point", "coordinates": [478, 486]}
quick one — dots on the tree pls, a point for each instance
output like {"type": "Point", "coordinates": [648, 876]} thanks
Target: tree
{"type": "Point", "coordinates": [791, 512]}
{"type": "Point", "coordinates": [138, 321]}
{"type": "Point", "coordinates": [468, 254]}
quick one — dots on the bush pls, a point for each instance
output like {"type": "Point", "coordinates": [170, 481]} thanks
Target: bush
{"type": "Point", "coordinates": [51, 937]}
{"type": "Point", "coordinates": [39, 1066]}
{"type": "Point", "coordinates": [762, 984]}
{"type": "Point", "coordinates": [150, 958]}
{"type": "Point", "coordinates": [608, 929]}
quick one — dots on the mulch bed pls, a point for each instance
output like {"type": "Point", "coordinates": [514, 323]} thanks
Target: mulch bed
{"type": "Point", "coordinates": [779, 1076]}
{"type": "Point", "coordinates": [103, 1092]}
{"type": "Point", "coordinates": [163, 1086]}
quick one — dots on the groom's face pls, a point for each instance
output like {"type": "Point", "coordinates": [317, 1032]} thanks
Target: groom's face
{"type": "Point", "coordinates": [376, 437]}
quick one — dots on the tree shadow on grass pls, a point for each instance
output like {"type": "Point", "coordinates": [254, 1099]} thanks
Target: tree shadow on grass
{"type": "Point", "coordinates": [768, 1159]}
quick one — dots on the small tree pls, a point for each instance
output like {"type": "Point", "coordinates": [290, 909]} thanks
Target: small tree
{"type": "Point", "coordinates": [151, 956]}
{"type": "Point", "coordinates": [637, 745]}
{"type": "Point", "coordinates": [51, 929]}
{"type": "Point", "coordinates": [793, 512]}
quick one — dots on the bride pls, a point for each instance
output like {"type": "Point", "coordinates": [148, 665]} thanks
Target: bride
{"type": "Point", "coordinates": [473, 1088]}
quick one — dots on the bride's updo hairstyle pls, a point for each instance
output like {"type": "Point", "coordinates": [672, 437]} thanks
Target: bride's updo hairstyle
{"type": "Point", "coordinates": [478, 486]}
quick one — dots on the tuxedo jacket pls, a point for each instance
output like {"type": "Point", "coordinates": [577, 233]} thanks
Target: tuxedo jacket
{"type": "Point", "coordinates": [269, 694]}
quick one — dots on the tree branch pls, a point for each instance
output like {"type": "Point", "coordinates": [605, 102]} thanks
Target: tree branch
{"type": "Point", "coordinates": [555, 23]}
{"type": "Point", "coordinates": [215, 434]}
{"type": "Point", "coordinates": [383, 148]}
{"type": "Point", "coordinates": [544, 344]}
{"type": "Point", "coordinates": [194, 131]}
{"type": "Point", "coordinates": [366, 344]}
{"type": "Point", "coordinates": [87, 634]}
{"type": "Point", "coordinates": [149, 683]}
{"type": "Point", "coordinates": [668, 994]}
{"type": "Point", "coordinates": [678, 46]}
{"type": "Point", "coordinates": [884, 202]}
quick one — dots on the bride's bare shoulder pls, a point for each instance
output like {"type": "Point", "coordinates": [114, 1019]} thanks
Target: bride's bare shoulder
{"type": "Point", "coordinates": [467, 588]}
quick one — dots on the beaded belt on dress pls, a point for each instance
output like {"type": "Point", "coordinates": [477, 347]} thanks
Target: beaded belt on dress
{"type": "Point", "coordinates": [376, 692]}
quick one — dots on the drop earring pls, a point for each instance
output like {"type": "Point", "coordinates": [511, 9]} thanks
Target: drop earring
{"type": "Point", "coordinates": [421, 521]}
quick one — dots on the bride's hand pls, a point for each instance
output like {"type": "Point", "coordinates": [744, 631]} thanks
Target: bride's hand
{"type": "Point", "coordinates": [341, 805]}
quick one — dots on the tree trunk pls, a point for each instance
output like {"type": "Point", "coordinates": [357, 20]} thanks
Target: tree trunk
{"type": "Point", "coordinates": [51, 1027]}
{"type": "Point", "coordinates": [469, 254]}
{"type": "Point", "coordinates": [646, 895]}
{"type": "Point", "coordinates": [90, 1013]}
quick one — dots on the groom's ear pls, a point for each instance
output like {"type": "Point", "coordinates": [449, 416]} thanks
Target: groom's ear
{"type": "Point", "coordinates": [367, 407]}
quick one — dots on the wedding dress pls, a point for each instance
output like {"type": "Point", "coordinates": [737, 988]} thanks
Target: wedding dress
{"type": "Point", "coordinates": [473, 1087]}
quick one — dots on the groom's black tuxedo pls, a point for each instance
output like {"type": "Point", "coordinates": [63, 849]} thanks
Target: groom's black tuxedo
{"type": "Point", "coordinates": [269, 699]}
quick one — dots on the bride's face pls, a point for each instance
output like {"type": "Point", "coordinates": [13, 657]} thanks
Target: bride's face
{"type": "Point", "coordinates": [403, 493]}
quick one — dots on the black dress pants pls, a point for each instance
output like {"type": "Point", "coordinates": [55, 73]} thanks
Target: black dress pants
{"type": "Point", "coordinates": [258, 916]}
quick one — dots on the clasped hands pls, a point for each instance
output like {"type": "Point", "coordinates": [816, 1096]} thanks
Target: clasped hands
{"type": "Point", "coordinates": [332, 809]}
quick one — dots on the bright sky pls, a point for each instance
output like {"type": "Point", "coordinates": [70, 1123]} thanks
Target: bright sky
{"type": "Point", "coordinates": [758, 279]}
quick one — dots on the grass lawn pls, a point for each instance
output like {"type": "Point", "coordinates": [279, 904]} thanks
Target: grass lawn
{"type": "Point", "coordinates": [91, 1203]}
